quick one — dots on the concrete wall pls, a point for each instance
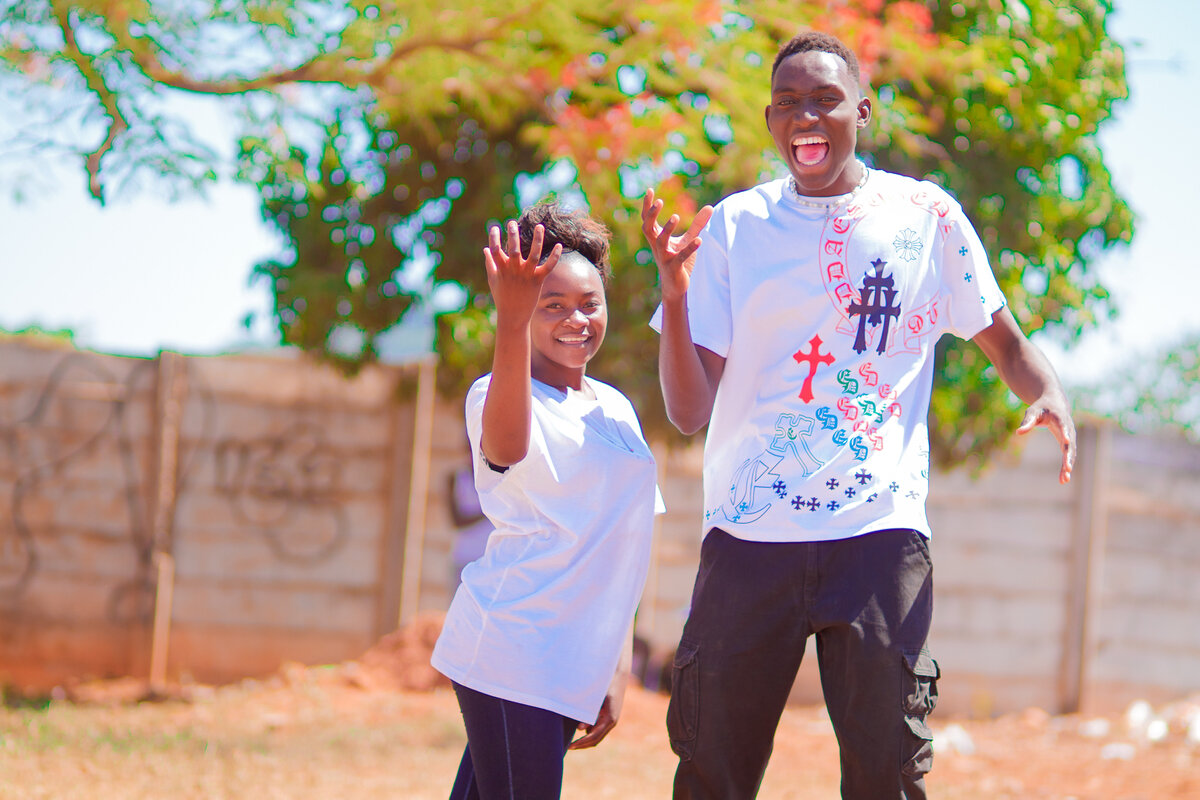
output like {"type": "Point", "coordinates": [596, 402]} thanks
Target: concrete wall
{"type": "Point", "coordinates": [272, 497]}
{"type": "Point", "coordinates": [263, 490]}
{"type": "Point", "coordinates": [1147, 627]}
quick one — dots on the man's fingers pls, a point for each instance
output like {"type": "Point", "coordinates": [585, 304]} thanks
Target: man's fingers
{"type": "Point", "coordinates": [1068, 465]}
{"type": "Point", "coordinates": [650, 212]}
{"type": "Point", "coordinates": [664, 235]}
{"type": "Point", "coordinates": [1032, 417]}
{"type": "Point", "coordinates": [647, 204]}
{"type": "Point", "coordinates": [1064, 433]}
{"type": "Point", "coordinates": [702, 218]}
{"type": "Point", "coordinates": [1068, 458]}
{"type": "Point", "coordinates": [686, 251]}
{"type": "Point", "coordinates": [663, 241]}
{"type": "Point", "coordinates": [587, 740]}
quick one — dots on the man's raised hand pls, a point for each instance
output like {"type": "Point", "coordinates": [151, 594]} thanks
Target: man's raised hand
{"type": "Point", "coordinates": [674, 255]}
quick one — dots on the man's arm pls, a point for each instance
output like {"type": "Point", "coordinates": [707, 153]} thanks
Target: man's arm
{"type": "Point", "coordinates": [1025, 370]}
{"type": "Point", "coordinates": [688, 373]}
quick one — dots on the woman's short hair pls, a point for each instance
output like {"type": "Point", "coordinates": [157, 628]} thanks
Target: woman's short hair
{"type": "Point", "coordinates": [573, 229]}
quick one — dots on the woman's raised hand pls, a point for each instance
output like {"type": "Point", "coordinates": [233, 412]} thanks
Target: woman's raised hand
{"type": "Point", "coordinates": [515, 280]}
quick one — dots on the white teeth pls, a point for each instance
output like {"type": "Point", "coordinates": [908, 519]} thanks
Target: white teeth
{"type": "Point", "coordinates": [573, 339]}
{"type": "Point", "coordinates": [799, 140]}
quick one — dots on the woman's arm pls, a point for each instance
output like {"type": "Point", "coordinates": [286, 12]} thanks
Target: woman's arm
{"type": "Point", "coordinates": [516, 284]}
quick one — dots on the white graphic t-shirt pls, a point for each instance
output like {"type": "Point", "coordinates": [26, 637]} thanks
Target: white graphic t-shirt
{"type": "Point", "coordinates": [828, 325]}
{"type": "Point", "coordinates": [542, 617]}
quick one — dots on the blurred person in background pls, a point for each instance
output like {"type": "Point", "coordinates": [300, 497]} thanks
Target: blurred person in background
{"type": "Point", "coordinates": [471, 525]}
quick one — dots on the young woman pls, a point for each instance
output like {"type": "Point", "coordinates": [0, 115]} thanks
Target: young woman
{"type": "Point", "coordinates": [540, 622]}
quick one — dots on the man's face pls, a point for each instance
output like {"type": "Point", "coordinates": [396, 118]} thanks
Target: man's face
{"type": "Point", "coordinates": [814, 118]}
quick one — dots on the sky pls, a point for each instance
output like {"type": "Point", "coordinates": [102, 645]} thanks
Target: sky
{"type": "Point", "coordinates": [144, 274]}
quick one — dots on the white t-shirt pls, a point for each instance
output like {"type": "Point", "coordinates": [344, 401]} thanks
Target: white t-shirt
{"type": "Point", "coordinates": [828, 326]}
{"type": "Point", "coordinates": [542, 617]}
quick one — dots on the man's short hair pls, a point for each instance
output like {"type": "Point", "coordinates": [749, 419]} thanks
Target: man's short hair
{"type": "Point", "coordinates": [814, 41]}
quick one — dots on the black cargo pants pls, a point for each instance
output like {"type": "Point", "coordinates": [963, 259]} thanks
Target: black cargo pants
{"type": "Point", "coordinates": [868, 600]}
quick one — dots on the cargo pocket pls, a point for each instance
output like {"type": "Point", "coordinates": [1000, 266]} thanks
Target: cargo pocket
{"type": "Point", "coordinates": [683, 711]}
{"type": "Point", "coordinates": [920, 697]}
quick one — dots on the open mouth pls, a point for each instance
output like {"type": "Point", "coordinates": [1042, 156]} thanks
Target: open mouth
{"type": "Point", "coordinates": [810, 150]}
{"type": "Point", "coordinates": [574, 339]}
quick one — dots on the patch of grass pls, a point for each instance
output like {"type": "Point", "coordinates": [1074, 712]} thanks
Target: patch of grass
{"type": "Point", "coordinates": [14, 699]}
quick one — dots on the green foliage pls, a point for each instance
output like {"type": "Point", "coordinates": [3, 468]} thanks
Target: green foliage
{"type": "Point", "coordinates": [1015, 141]}
{"type": "Point", "coordinates": [1154, 395]}
{"type": "Point", "coordinates": [386, 136]}
{"type": "Point", "coordinates": [61, 337]}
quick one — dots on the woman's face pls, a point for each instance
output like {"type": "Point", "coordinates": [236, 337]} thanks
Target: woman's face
{"type": "Point", "coordinates": [569, 322]}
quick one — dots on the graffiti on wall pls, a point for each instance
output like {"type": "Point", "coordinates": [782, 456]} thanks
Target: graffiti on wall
{"type": "Point", "coordinates": [48, 430]}
{"type": "Point", "coordinates": [74, 441]}
{"type": "Point", "coordinates": [286, 486]}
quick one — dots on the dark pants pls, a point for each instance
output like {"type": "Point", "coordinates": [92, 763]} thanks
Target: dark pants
{"type": "Point", "coordinates": [513, 751]}
{"type": "Point", "coordinates": [868, 600]}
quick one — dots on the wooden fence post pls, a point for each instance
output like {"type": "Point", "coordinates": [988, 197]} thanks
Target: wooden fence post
{"type": "Point", "coordinates": [1085, 563]}
{"type": "Point", "coordinates": [170, 397]}
{"type": "Point", "coordinates": [418, 495]}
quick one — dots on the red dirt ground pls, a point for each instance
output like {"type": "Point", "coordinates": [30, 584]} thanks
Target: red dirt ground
{"type": "Point", "coordinates": [386, 725]}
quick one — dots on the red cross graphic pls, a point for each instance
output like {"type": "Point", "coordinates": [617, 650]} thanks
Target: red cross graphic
{"type": "Point", "coordinates": [814, 358]}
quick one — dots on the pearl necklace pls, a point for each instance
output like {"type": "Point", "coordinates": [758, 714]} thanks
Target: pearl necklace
{"type": "Point", "coordinates": [828, 208]}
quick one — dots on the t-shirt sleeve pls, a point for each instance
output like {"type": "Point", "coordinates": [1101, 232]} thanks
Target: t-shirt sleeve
{"type": "Point", "coordinates": [968, 283]}
{"type": "Point", "coordinates": [709, 309]}
{"type": "Point", "coordinates": [620, 406]}
{"type": "Point", "coordinates": [486, 478]}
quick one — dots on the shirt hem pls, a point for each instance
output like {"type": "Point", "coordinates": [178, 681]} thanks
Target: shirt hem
{"type": "Point", "coordinates": [505, 693]}
{"type": "Point", "coordinates": [798, 537]}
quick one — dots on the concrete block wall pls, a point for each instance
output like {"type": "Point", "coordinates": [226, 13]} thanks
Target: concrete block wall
{"type": "Point", "coordinates": [1001, 552]}
{"type": "Point", "coordinates": [281, 492]}
{"type": "Point", "coordinates": [281, 507]}
{"type": "Point", "coordinates": [74, 468]}
{"type": "Point", "coordinates": [284, 513]}
{"type": "Point", "coordinates": [1149, 622]}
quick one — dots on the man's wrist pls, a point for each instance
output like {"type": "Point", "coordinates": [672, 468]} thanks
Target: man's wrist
{"type": "Point", "coordinates": [674, 303]}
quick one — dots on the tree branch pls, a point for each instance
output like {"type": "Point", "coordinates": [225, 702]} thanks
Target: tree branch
{"type": "Point", "coordinates": [318, 69]}
{"type": "Point", "coordinates": [117, 124]}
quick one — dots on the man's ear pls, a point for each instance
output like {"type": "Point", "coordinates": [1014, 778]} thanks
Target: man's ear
{"type": "Point", "coordinates": [767, 116]}
{"type": "Point", "coordinates": [864, 112]}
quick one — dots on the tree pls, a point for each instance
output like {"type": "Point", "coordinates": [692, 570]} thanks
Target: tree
{"type": "Point", "coordinates": [1152, 395]}
{"type": "Point", "coordinates": [437, 121]}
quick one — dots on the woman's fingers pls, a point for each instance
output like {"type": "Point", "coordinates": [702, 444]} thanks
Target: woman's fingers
{"type": "Point", "coordinates": [543, 269]}
{"type": "Point", "coordinates": [535, 247]}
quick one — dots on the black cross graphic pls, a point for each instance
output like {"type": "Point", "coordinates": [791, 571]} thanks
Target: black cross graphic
{"type": "Point", "coordinates": [877, 294]}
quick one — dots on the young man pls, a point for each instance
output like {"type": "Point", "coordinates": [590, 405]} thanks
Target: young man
{"type": "Point", "coordinates": [802, 333]}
